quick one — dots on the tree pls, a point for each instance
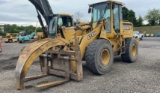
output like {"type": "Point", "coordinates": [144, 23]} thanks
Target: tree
{"type": "Point", "coordinates": [30, 29]}
{"type": "Point", "coordinates": [140, 21]}
{"type": "Point", "coordinates": [129, 15]}
{"type": "Point", "coordinates": [132, 17]}
{"type": "Point", "coordinates": [153, 17]}
{"type": "Point", "coordinates": [78, 16]}
{"type": "Point", "coordinates": [39, 29]}
{"type": "Point", "coordinates": [125, 13]}
{"type": "Point", "coordinates": [1, 33]}
{"type": "Point", "coordinates": [7, 28]}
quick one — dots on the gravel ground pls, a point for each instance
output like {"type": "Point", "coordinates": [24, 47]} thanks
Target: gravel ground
{"type": "Point", "coordinates": [11, 50]}
{"type": "Point", "coordinates": [143, 76]}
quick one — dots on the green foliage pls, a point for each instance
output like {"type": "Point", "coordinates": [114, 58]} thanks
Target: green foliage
{"type": "Point", "coordinates": [125, 13]}
{"type": "Point", "coordinates": [16, 29]}
{"type": "Point", "coordinates": [2, 33]}
{"type": "Point", "coordinates": [130, 16]}
{"type": "Point", "coordinates": [29, 29]}
{"type": "Point", "coordinates": [39, 29]}
{"type": "Point", "coordinates": [140, 21]}
{"type": "Point", "coordinates": [153, 17]}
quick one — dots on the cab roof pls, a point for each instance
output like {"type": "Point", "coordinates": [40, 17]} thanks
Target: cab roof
{"type": "Point", "coordinates": [64, 15]}
{"type": "Point", "coordinates": [120, 3]}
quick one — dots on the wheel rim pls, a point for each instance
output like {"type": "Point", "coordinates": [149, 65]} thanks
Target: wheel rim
{"type": "Point", "coordinates": [105, 57]}
{"type": "Point", "coordinates": [134, 50]}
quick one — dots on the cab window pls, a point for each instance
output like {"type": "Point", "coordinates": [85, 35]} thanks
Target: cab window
{"type": "Point", "coordinates": [65, 21]}
{"type": "Point", "coordinates": [117, 17]}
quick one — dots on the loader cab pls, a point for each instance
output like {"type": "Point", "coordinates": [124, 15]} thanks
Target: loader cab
{"type": "Point", "coordinates": [111, 11]}
{"type": "Point", "coordinates": [57, 22]}
{"type": "Point", "coordinates": [53, 21]}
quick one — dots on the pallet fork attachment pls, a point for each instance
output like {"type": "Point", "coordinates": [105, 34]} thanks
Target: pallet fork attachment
{"type": "Point", "coordinates": [58, 62]}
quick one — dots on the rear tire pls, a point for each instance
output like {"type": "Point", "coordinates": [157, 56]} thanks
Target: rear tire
{"type": "Point", "coordinates": [22, 41]}
{"type": "Point", "coordinates": [10, 41]}
{"type": "Point", "coordinates": [131, 50]}
{"type": "Point", "coordinates": [99, 57]}
{"type": "Point", "coordinates": [141, 38]}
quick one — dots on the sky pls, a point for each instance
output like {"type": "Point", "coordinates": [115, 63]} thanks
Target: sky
{"type": "Point", "coordinates": [22, 12]}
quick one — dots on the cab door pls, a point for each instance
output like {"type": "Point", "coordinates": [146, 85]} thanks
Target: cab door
{"type": "Point", "coordinates": [114, 21]}
{"type": "Point", "coordinates": [117, 17]}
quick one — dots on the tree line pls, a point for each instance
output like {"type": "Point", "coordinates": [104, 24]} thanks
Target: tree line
{"type": "Point", "coordinates": [131, 16]}
{"type": "Point", "coordinates": [153, 17]}
{"type": "Point", "coordinates": [16, 29]}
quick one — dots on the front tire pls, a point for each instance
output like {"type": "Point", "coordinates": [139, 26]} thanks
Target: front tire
{"type": "Point", "coordinates": [20, 42]}
{"type": "Point", "coordinates": [141, 38]}
{"type": "Point", "coordinates": [99, 56]}
{"type": "Point", "coordinates": [131, 50]}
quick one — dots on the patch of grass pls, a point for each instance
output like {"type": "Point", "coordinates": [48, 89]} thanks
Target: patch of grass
{"type": "Point", "coordinates": [148, 29]}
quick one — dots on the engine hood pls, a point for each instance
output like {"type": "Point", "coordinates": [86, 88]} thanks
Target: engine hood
{"type": "Point", "coordinates": [43, 7]}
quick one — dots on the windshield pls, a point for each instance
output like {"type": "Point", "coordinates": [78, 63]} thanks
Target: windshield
{"type": "Point", "coordinates": [136, 32]}
{"type": "Point", "coordinates": [98, 11]}
{"type": "Point", "coordinates": [53, 27]}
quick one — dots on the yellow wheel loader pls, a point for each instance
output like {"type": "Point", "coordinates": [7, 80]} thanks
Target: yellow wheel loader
{"type": "Point", "coordinates": [10, 38]}
{"type": "Point", "coordinates": [65, 47]}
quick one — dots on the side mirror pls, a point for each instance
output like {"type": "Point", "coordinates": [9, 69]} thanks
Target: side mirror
{"type": "Point", "coordinates": [89, 10]}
